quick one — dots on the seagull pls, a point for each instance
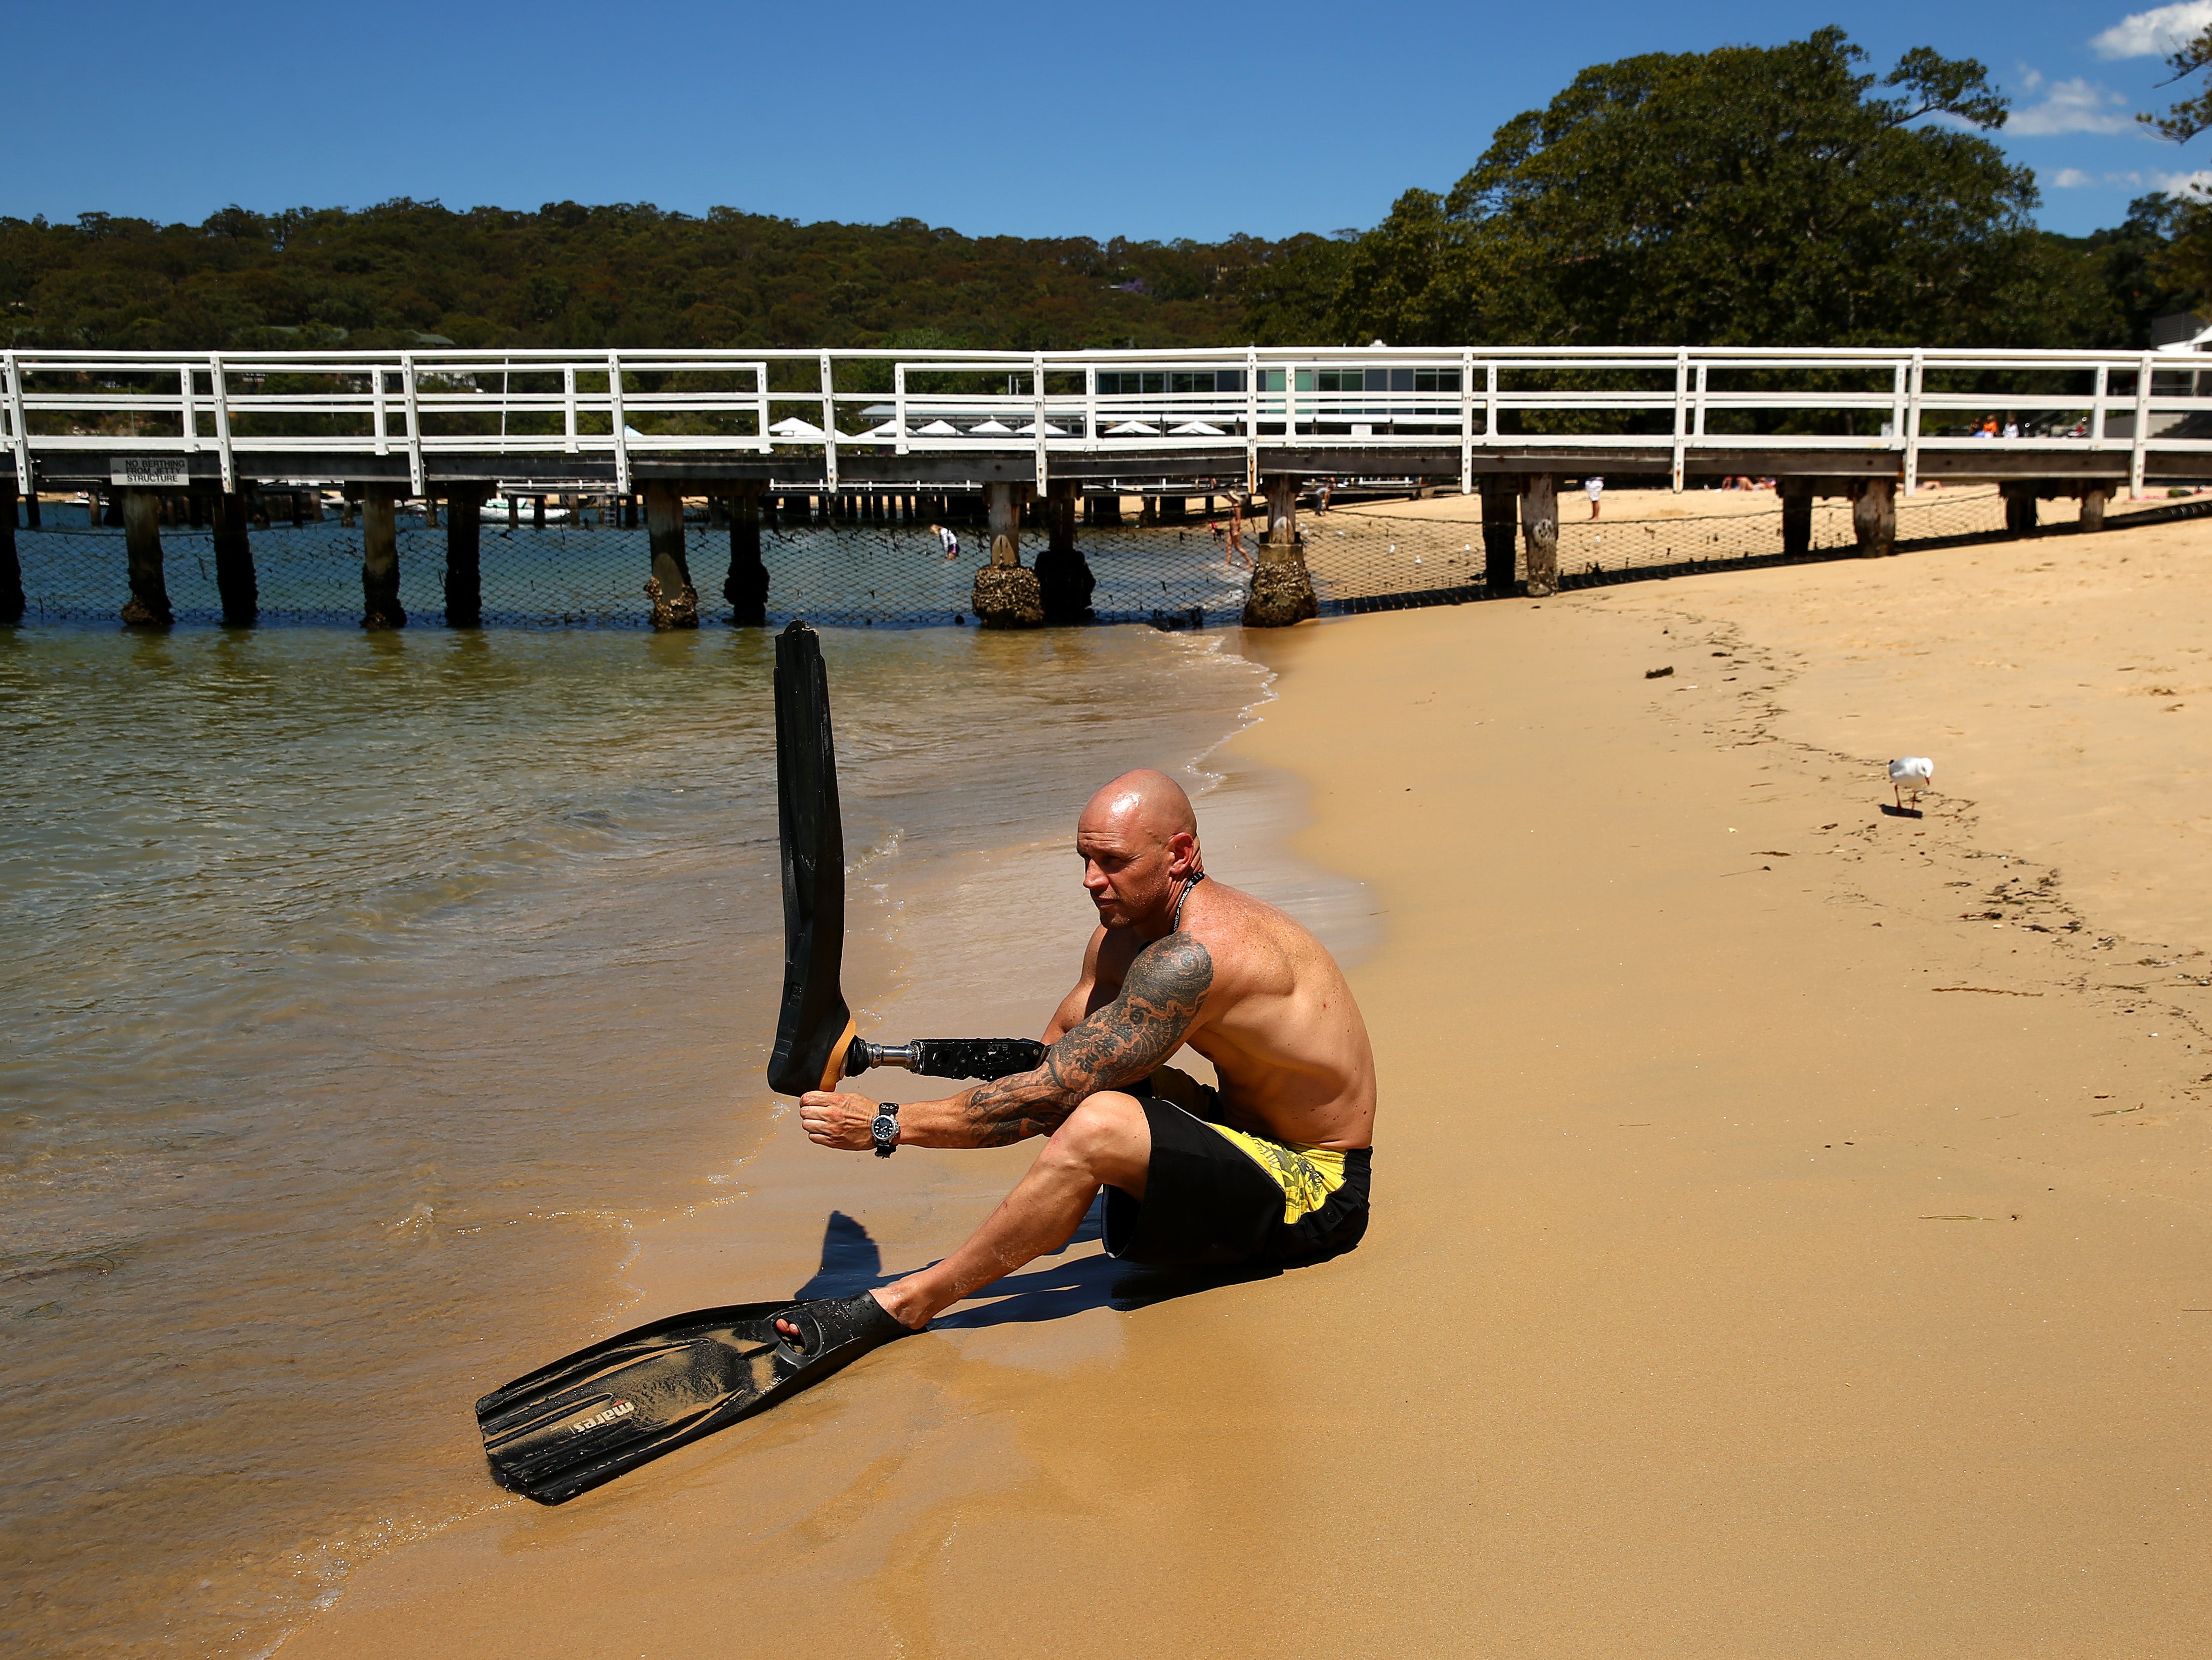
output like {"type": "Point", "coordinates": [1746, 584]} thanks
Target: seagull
{"type": "Point", "coordinates": [1911, 772]}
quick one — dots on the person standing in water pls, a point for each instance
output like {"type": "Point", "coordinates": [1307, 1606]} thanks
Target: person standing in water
{"type": "Point", "coordinates": [948, 541]}
{"type": "Point", "coordinates": [1269, 1168]}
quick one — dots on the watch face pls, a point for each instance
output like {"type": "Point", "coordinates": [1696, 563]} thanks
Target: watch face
{"type": "Point", "coordinates": [884, 1128]}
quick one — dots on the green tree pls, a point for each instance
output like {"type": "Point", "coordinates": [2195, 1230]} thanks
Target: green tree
{"type": "Point", "coordinates": [2182, 268]}
{"type": "Point", "coordinates": [2186, 117]}
{"type": "Point", "coordinates": [1747, 195]}
{"type": "Point", "coordinates": [2144, 262]}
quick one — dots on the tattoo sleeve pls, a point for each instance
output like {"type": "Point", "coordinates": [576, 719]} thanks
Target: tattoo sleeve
{"type": "Point", "coordinates": [1119, 1044]}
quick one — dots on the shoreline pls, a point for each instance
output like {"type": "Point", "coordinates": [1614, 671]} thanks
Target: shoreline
{"type": "Point", "coordinates": [786, 1219]}
{"type": "Point", "coordinates": [1732, 1290]}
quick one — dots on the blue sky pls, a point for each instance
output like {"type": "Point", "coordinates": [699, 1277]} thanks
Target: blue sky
{"type": "Point", "coordinates": [1134, 119]}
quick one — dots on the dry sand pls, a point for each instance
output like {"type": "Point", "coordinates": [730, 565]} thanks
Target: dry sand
{"type": "Point", "coordinates": [1777, 1252]}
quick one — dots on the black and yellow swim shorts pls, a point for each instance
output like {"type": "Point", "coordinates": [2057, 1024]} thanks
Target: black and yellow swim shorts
{"type": "Point", "coordinates": [1219, 1197]}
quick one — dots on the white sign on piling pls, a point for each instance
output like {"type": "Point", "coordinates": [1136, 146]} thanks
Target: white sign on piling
{"type": "Point", "coordinates": [149, 471]}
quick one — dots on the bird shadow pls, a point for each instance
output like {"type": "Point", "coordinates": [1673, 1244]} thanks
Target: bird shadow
{"type": "Point", "coordinates": [1053, 1287]}
{"type": "Point", "coordinates": [1889, 812]}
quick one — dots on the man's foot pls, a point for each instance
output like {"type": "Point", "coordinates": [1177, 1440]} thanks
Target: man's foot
{"type": "Point", "coordinates": [798, 1339]}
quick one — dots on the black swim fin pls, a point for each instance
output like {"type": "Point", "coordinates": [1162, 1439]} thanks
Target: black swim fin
{"type": "Point", "coordinates": [620, 1403]}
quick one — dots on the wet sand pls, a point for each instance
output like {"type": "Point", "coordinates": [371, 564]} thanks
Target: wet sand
{"type": "Point", "coordinates": [1640, 505]}
{"type": "Point", "coordinates": [1792, 1223]}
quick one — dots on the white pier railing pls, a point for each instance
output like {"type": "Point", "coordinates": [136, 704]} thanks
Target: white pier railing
{"type": "Point", "coordinates": [1219, 410]}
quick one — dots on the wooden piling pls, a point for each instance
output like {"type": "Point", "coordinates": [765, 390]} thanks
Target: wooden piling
{"type": "Point", "coordinates": [746, 586]}
{"type": "Point", "coordinates": [1796, 495]}
{"type": "Point", "coordinates": [2019, 494]}
{"type": "Point", "coordinates": [538, 513]}
{"type": "Point", "coordinates": [1874, 516]}
{"type": "Point", "coordinates": [2093, 497]}
{"type": "Point", "coordinates": [1282, 588]}
{"type": "Point", "coordinates": [113, 518]}
{"type": "Point", "coordinates": [1540, 532]}
{"type": "Point", "coordinates": [30, 506]}
{"type": "Point", "coordinates": [1501, 534]}
{"type": "Point", "coordinates": [1007, 594]}
{"type": "Point", "coordinates": [236, 585]}
{"type": "Point", "coordinates": [379, 558]}
{"type": "Point", "coordinates": [298, 508]}
{"type": "Point", "coordinates": [1064, 576]}
{"type": "Point", "coordinates": [464, 556]}
{"type": "Point", "coordinates": [148, 604]}
{"type": "Point", "coordinates": [11, 567]}
{"type": "Point", "coordinates": [675, 601]}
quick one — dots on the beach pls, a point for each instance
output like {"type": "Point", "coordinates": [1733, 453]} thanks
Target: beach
{"type": "Point", "coordinates": [1790, 1228]}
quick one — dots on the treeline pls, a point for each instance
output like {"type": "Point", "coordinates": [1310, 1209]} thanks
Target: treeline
{"type": "Point", "coordinates": [1748, 196]}
{"type": "Point", "coordinates": [403, 273]}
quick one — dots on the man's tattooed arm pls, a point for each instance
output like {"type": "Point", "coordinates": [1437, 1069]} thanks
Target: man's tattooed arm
{"type": "Point", "coordinates": [1118, 1045]}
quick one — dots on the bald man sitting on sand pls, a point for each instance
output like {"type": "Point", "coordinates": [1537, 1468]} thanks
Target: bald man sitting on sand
{"type": "Point", "coordinates": [1271, 1168]}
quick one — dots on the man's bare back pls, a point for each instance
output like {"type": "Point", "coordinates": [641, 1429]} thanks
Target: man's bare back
{"type": "Point", "coordinates": [1271, 1168]}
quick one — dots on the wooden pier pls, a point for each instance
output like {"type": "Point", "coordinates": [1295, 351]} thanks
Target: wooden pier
{"type": "Point", "coordinates": [1056, 440]}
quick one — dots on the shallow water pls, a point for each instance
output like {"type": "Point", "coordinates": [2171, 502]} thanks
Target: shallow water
{"type": "Point", "coordinates": [366, 995]}
{"type": "Point", "coordinates": [564, 576]}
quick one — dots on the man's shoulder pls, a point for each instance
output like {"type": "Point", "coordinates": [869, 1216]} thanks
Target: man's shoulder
{"type": "Point", "coordinates": [1249, 937]}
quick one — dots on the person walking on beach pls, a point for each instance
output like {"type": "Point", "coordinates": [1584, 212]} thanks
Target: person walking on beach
{"type": "Point", "coordinates": [1270, 1168]}
{"type": "Point", "coordinates": [948, 541]}
{"type": "Point", "coordinates": [1595, 487]}
{"type": "Point", "coordinates": [1237, 551]}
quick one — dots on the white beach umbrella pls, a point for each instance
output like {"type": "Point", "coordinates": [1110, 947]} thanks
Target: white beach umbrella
{"type": "Point", "coordinates": [795, 428]}
{"type": "Point", "coordinates": [1193, 429]}
{"type": "Point", "coordinates": [889, 430]}
{"type": "Point", "coordinates": [1132, 429]}
{"type": "Point", "coordinates": [938, 430]}
{"type": "Point", "coordinates": [1911, 772]}
{"type": "Point", "coordinates": [1031, 430]}
{"type": "Point", "coordinates": [990, 429]}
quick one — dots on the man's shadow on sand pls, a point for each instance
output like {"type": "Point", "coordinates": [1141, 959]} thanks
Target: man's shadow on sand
{"type": "Point", "coordinates": [1051, 1288]}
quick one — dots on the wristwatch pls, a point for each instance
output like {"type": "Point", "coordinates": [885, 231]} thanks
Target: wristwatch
{"type": "Point", "coordinates": [884, 1128]}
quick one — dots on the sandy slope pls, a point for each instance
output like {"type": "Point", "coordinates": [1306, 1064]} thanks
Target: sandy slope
{"type": "Point", "coordinates": [1776, 1255]}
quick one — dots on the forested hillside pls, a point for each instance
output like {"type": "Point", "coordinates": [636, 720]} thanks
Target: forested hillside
{"type": "Point", "coordinates": [626, 275]}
